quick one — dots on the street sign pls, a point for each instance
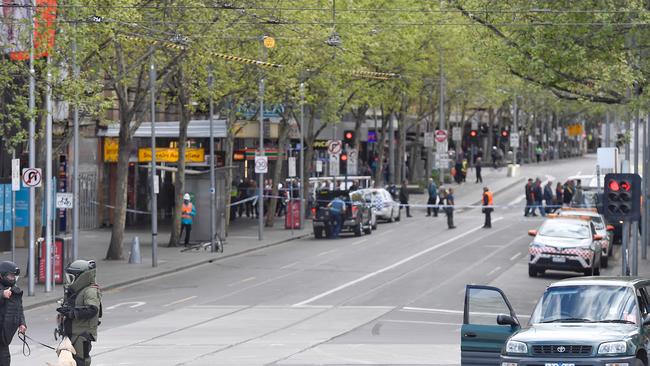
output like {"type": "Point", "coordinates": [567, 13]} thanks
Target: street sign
{"type": "Point", "coordinates": [428, 139]}
{"type": "Point", "coordinates": [319, 166]}
{"type": "Point", "coordinates": [261, 165]}
{"type": "Point", "coordinates": [292, 166]}
{"type": "Point", "coordinates": [334, 165]}
{"type": "Point", "coordinates": [64, 200]}
{"type": "Point", "coordinates": [353, 159]}
{"type": "Point", "coordinates": [514, 139]}
{"type": "Point", "coordinates": [32, 177]}
{"type": "Point", "coordinates": [334, 147]}
{"type": "Point", "coordinates": [15, 175]}
{"type": "Point", "coordinates": [442, 147]}
{"type": "Point", "coordinates": [441, 135]}
{"type": "Point", "coordinates": [607, 157]}
{"type": "Point", "coordinates": [456, 133]}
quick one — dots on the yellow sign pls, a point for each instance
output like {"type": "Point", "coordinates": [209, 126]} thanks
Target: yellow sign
{"type": "Point", "coordinates": [111, 149]}
{"type": "Point", "coordinates": [169, 155]}
{"type": "Point", "coordinates": [575, 130]}
{"type": "Point", "coordinates": [269, 42]}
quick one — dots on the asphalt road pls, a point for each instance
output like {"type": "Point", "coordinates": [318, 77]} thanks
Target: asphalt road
{"type": "Point", "coordinates": [394, 297]}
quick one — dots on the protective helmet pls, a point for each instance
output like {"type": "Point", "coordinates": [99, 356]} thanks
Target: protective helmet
{"type": "Point", "coordinates": [187, 197]}
{"type": "Point", "coordinates": [76, 268]}
{"type": "Point", "coordinates": [7, 267]}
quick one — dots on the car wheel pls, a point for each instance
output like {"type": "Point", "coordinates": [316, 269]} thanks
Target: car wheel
{"type": "Point", "coordinates": [639, 362]}
{"type": "Point", "coordinates": [399, 216]}
{"type": "Point", "coordinates": [605, 261]}
{"type": "Point", "coordinates": [357, 230]}
{"type": "Point", "coordinates": [328, 232]}
{"type": "Point", "coordinates": [318, 232]}
{"type": "Point", "coordinates": [532, 272]}
{"type": "Point", "coordinates": [368, 230]}
{"type": "Point", "coordinates": [374, 226]}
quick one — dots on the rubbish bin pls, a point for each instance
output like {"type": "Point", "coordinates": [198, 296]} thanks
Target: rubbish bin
{"type": "Point", "coordinates": [292, 218]}
{"type": "Point", "coordinates": [58, 260]}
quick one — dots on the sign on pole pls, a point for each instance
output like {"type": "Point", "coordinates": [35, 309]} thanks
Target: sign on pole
{"type": "Point", "coordinates": [64, 200]}
{"type": "Point", "coordinates": [456, 133]}
{"type": "Point", "coordinates": [292, 166]}
{"type": "Point", "coordinates": [441, 135]}
{"type": "Point", "coordinates": [261, 165]}
{"type": "Point", "coordinates": [32, 177]}
{"type": "Point", "coordinates": [319, 166]}
{"type": "Point", "coordinates": [607, 157]}
{"type": "Point", "coordinates": [428, 139]}
{"type": "Point", "coordinates": [442, 147]}
{"type": "Point", "coordinates": [353, 158]}
{"type": "Point", "coordinates": [15, 175]}
{"type": "Point", "coordinates": [334, 147]}
{"type": "Point", "coordinates": [334, 165]}
{"type": "Point", "coordinates": [514, 139]}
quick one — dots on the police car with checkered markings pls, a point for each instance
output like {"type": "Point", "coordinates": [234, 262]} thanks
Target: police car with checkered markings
{"type": "Point", "coordinates": [603, 229]}
{"type": "Point", "coordinates": [565, 244]}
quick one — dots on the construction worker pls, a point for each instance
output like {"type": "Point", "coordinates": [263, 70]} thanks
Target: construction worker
{"type": "Point", "coordinates": [488, 201]}
{"type": "Point", "coordinates": [188, 211]}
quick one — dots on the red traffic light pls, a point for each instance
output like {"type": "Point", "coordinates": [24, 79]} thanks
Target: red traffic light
{"type": "Point", "coordinates": [504, 133]}
{"type": "Point", "coordinates": [626, 186]}
{"type": "Point", "coordinates": [614, 186]}
{"type": "Point", "coordinates": [473, 133]}
{"type": "Point", "coordinates": [348, 136]}
{"type": "Point", "coordinates": [344, 157]}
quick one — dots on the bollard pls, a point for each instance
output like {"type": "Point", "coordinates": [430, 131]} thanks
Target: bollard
{"type": "Point", "coordinates": [134, 257]}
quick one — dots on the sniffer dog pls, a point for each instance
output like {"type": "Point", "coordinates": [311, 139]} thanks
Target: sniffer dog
{"type": "Point", "coordinates": [65, 351]}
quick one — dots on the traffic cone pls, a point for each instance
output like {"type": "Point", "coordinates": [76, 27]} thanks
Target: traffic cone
{"type": "Point", "coordinates": [134, 257]}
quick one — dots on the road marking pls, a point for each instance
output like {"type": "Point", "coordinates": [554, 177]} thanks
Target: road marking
{"type": "Point", "coordinates": [360, 241]}
{"type": "Point", "coordinates": [130, 304]}
{"type": "Point", "coordinates": [289, 265]}
{"type": "Point", "coordinates": [181, 300]}
{"type": "Point", "coordinates": [242, 281]}
{"type": "Point", "coordinates": [385, 232]}
{"type": "Point", "coordinates": [449, 311]}
{"type": "Point", "coordinates": [418, 322]}
{"type": "Point", "coordinates": [327, 252]}
{"type": "Point", "coordinates": [493, 271]}
{"type": "Point", "coordinates": [394, 265]}
{"type": "Point", "coordinates": [515, 256]}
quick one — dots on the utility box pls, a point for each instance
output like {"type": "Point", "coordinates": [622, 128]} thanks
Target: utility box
{"type": "Point", "coordinates": [198, 185]}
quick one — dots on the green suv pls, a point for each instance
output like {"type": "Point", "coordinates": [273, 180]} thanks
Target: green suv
{"type": "Point", "coordinates": [601, 321]}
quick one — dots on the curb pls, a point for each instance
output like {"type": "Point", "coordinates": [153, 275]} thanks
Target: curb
{"type": "Point", "coordinates": [173, 270]}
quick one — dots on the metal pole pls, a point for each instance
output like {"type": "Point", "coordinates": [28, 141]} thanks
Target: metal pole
{"type": "Point", "coordinates": [442, 117]}
{"type": "Point", "coordinates": [212, 172]}
{"type": "Point", "coordinates": [260, 188]}
{"type": "Point", "coordinates": [391, 152]}
{"type": "Point", "coordinates": [13, 215]}
{"type": "Point", "coordinates": [646, 175]}
{"type": "Point", "coordinates": [75, 158]}
{"type": "Point", "coordinates": [48, 181]}
{"type": "Point", "coordinates": [154, 203]}
{"type": "Point", "coordinates": [32, 159]}
{"type": "Point", "coordinates": [302, 155]}
{"type": "Point", "coordinates": [635, 227]}
{"type": "Point", "coordinates": [515, 127]}
{"type": "Point", "coordinates": [624, 249]}
{"type": "Point", "coordinates": [608, 128]}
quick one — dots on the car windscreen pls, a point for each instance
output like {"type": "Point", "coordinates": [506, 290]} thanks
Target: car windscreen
{"type": "Point", "coordinates": [563, 229]}
{"type": "Point", "coordinates": [586, 303]}
{"type": "Point", "coordinates": [597, 220]}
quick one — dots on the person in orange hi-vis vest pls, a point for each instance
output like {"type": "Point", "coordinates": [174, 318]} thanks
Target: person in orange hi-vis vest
{"type": "Point", "coordinates": [488, 201]}
{"type": "Point", "coordinates": [188, 211]}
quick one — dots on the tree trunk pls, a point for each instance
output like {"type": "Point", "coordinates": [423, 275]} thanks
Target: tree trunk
{"type": "Point", "coordinates": [179, 184]}
{"type": "Point", "coordinates": [230, 147]}
{"type": "Point", "coordinates": [379, 180]}
{"type": "Point", "coordinates": [310, 137]}
{"type": "Point", "coordinates": [277, 171]}
{"type": "Point", "coordinates": [116, 247]}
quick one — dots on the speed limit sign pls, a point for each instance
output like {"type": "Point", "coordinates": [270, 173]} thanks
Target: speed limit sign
{"type": "Point", "coordinates": [261, 165]}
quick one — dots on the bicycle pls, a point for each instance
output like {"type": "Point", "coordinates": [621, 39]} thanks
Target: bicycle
{"type": "Point", "coordinates": [218, 240]}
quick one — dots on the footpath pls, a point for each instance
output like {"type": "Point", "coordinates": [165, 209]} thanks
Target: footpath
{"type": "Point", "coordinates": [243, 238]}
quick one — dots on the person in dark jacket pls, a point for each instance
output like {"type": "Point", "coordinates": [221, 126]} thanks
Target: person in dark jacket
{"type": "Point", "coordinates": [449, 209]}
{"type": "Point", "coordinates": [404, 198]}
{"type": "Point", "coordinates": [559, 193]}
{"type": "Point", "coordinates": [478, 165]}
{"type": "Point", "coordinates": [548, 197]}
{"type": "Point", "coordinates": [11, 309]}
{"type": "Point", "coordinates": [569, 190]}
{"type": "Point", "coordinates": [538, 196]}
{"type": "Point", "coordinates": [432, 189]}
{"type": "Point", "coordinates": [528, 189]}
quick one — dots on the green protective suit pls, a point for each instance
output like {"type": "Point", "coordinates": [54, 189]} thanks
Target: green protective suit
{"type": "Point", "coordinates": [85, 296]}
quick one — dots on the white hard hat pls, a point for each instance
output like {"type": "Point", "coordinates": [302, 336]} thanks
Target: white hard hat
{"type": "Point", "coordinates": [187, 197]}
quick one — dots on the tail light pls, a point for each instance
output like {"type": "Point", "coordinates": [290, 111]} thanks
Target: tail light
{"type": "Point", "coordinates": [355, 209]}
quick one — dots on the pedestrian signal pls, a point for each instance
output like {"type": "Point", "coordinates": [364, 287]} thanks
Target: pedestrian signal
{"type": "Point", "coordinates": [622, 198]}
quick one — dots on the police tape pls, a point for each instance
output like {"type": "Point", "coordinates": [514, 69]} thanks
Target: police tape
{"type": "Point", "coordinates": [129, 210]}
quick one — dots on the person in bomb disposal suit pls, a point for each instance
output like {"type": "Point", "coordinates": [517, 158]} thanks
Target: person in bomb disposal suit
{"type": "Point", "coordinates": [12, 316]}
{"type": "Point", "coordinates": [81, 309]}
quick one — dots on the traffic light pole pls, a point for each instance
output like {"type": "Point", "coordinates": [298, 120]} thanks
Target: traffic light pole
{"type": "Point", "coordinates": [624, 249]}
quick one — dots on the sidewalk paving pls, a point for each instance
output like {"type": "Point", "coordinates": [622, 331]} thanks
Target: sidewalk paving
{"type": "Point", "coordinates": [93, 244]}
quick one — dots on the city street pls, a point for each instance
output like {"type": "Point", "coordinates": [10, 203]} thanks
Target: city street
{"type": "Point", "coordinates": [394, 297]}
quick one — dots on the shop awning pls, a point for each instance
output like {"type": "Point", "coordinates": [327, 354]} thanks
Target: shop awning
{"type": "Point", "coordinates": [196, 129]}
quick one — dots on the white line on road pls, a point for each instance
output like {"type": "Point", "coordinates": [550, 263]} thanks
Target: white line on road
{"type": "Point", "coordinates": [131, 304]}
{"type": "Point", "coordinates": [289, 265]}
{"type": "Point", "coordinates": [359, 242]}
{"type": "Point", "coordinates": [448, 311]}
{"type": "Point", "coordinates": [327, 252]}
{"type": "Point", "coordinates": [242, 281]}
{"type": "Point", "coordinates": [418, 322]}
{"type": "Point", "coordinates": [493, 271]}
{"type": "Point", "coordinates": [384, 232]}
{"type": "Point", "coordinates": [515, 256]}
{"type": "Point", "coordinates": [181, 301]}
{"type": "Point", "coordinates": [394, 265]}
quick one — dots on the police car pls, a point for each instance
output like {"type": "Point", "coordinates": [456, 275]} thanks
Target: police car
{"type": "Point", "coordinates": [383, 204]}
{"type": "Point", "coordinates": [606, 231]}
{"type": "Point", "coordinates": [565, 244]}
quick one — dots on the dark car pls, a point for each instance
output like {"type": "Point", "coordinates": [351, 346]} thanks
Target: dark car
{"type": "Point", "coordinates": [584, 321]}
{"type": "Point", "coordinates": [357, 218]}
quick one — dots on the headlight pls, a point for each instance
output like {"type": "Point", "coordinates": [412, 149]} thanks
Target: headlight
{"type": "Point", "coordinates": [611, 348]}
{"type": "Point", "coordinates": [516, 347]}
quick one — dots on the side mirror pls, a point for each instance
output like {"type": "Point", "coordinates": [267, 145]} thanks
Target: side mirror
{"type": "Point", "coordinates": [532, 232]}
{"type": "Point", "coordinates": [598, 237]}
{"type": "Point", "coordinates": [503, 319]}
{"type": "Point", "coordinates": [610, 228]}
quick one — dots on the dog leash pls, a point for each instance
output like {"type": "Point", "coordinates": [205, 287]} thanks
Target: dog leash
{"type": "Point", "coordinates": [27, 351]}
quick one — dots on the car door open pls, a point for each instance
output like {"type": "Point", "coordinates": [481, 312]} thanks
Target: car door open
{"type": "Point", "coordinates": [488, 321]}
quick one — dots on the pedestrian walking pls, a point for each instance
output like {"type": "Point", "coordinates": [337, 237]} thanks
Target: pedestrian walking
{"type": "Point", "coordinates": [488, 201]}
{"type": "Point", "coordinates": [449, 208]}
{"type": "Point", "coordinates": [337, 210]}
{"type": "Point", "coordinates": [81, 308]}
{"type": "Point", "coordinates": [432, 206]}
{"type": "Point", "coordinates": [538, 153]}
{"type": "Point", "coordinates": [528, 189]}
{"type": "Point", "coordinates": [569, 191]}
{"type": "Point", "coordinates": [188, 211]}
{"type": "Point", "coordinates": [404, 198]}
{"type": "Point", "coordinates": [559, 193]}
{"type": "Point", "coordinates": [548, 197]}
{"type": "Point", "coordinates": [478, 165]}
{"type": "Point", "coordinates": [11, 309]}
{"type": "Point", "coordinates": [243, 195]}
{"type": "Point", "coordinates": [538, 196]}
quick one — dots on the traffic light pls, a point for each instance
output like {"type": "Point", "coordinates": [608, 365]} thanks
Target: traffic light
{"type": "Point", "coordinates": [343, 163]}
{"type": "Point", "coordinates": [622, 199]}
{"type": "Point", "coordinates": [348, 137]}
{"type": "Point", "coordinates": [505, 133]}
{"type": "Point", "coordinates": [473, 133]}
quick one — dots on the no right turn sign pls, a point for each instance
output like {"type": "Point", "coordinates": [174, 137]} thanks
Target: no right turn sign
{"type": "Point", "coordinates": [32, 177]}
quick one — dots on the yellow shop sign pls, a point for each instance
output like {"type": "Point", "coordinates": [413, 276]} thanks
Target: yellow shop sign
{"type": "Point", "coordinates": [170, 155]}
